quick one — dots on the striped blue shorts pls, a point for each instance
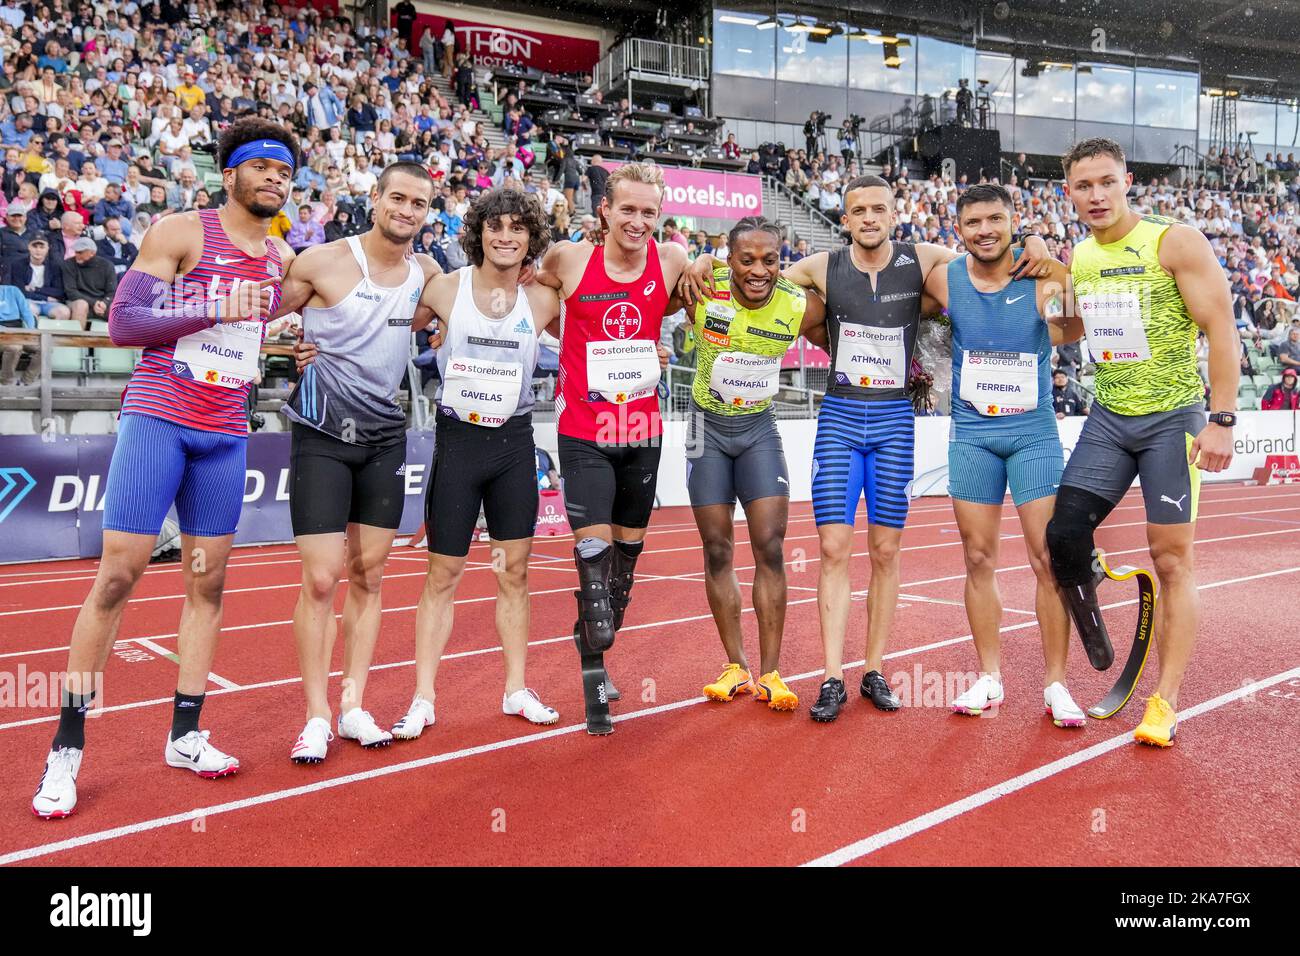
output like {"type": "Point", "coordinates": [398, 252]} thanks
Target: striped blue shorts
{"type": "Point", "coordinates": [981, 469]}
{"type": "Point", "coordinates": [157, 462]}
{"type": "Point", "coordinates": [863, 448]}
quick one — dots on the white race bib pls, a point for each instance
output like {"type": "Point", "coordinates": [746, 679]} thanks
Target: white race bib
{"type": "Point", "coordinates": [620, 372]}
{"type": "Point", "coordinates": [743, 380]}
{"type": "Point", "coordinates": [224, 356]}
{"type": "Point", "coordinates": [1113, 323]}
{"type": "Point", "coordinates": [867, 357]}
{"type": "Point", "coordinates": [1000, 383]}
{"type": "Point", "coordinates": [480, 391]}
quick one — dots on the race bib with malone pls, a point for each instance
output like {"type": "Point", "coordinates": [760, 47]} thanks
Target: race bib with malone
{"type": "Point", "coordinates": [620, 372]}
{"type": "Point", "coordinates": [1113, 323]}
{"type": "Point", "coordinates": [481, 391]}
{"type": "Point", "coordinates": [744, 380]}
{"type": "Point", "coordinates": [867, 357]}
{"type": "Point", "coordinates": [224, 356]}
{"type": "Point", "coordinates": [1000, 383]}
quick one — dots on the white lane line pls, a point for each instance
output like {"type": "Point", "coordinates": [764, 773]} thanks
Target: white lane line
{"type": "Point", "coordinates": [962, 604]}
{"type": "Point", "coordinates": [175, 659]}
{"type": "Point", "coordinates": [275, 796]}
{"type": "Point", "coordinates": [686, 576]}
{"type": "Point", "coordinates": [909, 828]}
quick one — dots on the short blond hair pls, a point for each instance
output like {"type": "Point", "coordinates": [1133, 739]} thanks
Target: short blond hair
{"type": "Point", "coordinates": [648, 173]}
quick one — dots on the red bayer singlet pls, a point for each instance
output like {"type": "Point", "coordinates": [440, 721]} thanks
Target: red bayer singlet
{"type": "Point", "coordinates": [605, 370]}
{"type": "Point", "coordinates": [164, 388]}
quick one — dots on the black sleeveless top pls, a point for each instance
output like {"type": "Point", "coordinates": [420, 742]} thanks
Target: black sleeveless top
{"type": "Point", "coordinates": [894, 303]}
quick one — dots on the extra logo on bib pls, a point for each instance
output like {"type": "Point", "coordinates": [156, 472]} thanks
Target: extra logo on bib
{"type": "Point", "coordinates": [1113, 324]}
{"type": "Point", "coordinates": [1000, 383]}
{"type": "Point", "coordinates": [743, 380]}
{"type": "Point", "coordinates": [224, 356]}
{"type": "Point", "coordinates": [480, 391]}
{"type": "Point", "coordinates": [867, 357]}
{"type": "Point", "coordinates": [621, 372]}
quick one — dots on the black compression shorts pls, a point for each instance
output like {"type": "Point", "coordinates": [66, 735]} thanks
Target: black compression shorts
{"type": "Point", "coordinates": [473, 467]}
{"type": "Point", "coordinates": [333, 483]}
{"type": "Point", "coordinates": [608, 484]}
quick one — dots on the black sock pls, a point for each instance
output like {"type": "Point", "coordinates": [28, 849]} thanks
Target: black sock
{"type": "Point", "coordinates": [185, 714]}
{"type": "Point", "coordinates": [72, 720]}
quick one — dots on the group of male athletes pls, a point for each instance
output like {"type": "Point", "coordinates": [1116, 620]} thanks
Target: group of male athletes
{"type": "Point", "coordinates": [198, 297]}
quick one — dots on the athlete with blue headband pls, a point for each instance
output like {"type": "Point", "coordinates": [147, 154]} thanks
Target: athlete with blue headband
{"type": "Point", "coordinates": [196, 302]}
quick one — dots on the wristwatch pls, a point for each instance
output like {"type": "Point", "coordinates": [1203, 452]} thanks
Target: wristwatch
{"type": "Point", "coordinates": [1226, 419]}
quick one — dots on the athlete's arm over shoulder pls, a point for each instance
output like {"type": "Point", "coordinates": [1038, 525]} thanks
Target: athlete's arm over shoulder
{"type": "Point", "coordinates": [297, 284]}
{"type": "Point", "coordinates": [810, 272]}
{"type": "Point", "coordinates": [931, 254]}
{"type": "Point", "coordinates": [1186, 254]}
{"type": "Point", "coordinates": [435, 304]}
{"type": "Point", "coordinates": [423, 315]}
{"type": "Point", "coordinates": [545, 304]}
{"type": "Point", "coordinates": [935, 289]}
{"type": "Point", "coordinates": [1056, 304]}
{"type": "Point", "coordinates": [556, 262]}
{"type": "Point", "coordinates": [813, 327]}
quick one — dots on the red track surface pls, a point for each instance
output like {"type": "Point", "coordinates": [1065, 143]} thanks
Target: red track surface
{"type": "Point", "coordinates": [683, 781]}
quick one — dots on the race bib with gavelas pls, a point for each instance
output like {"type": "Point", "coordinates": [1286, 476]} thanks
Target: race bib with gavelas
{"type": "Point", "coordinates": [1000, 383]}
{"type": "Point", "coordinates": [224, 356]}
{"type": "Point", "coordinates": [744, 380]}
{"type": "Point", "coordinates": [867, 357]}
{"type": "Point", "coordinates": [621, 372]}
{"type": "Point", "coordinates": [480, 391]}
{"type": "Point", "coordinates": [1113, 324]}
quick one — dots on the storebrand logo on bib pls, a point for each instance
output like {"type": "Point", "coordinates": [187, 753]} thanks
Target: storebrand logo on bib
{"type": "Point", "coordinates": [622, 321]}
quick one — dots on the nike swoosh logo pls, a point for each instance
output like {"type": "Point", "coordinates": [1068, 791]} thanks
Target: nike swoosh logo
{"type": "Point", "coordinates": [221, 261]}
{"type": "Point", "coordinates": [1015, 300]}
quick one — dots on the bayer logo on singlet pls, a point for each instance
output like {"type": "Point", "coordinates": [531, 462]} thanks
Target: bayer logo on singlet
{"type": "Point", "coordinates": [622, 320]}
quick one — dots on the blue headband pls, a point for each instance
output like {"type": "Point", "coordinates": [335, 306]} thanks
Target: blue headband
{"type": "Point", "coordinates": [261, 149]}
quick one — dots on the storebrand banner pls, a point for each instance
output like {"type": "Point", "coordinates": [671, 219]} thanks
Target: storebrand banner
{"type": "Point", "coordinates": [706, 194]}
{"type": "Point", "coordinates": [495, 45]}
{"type": "Point", "coordinates": [52, 493]}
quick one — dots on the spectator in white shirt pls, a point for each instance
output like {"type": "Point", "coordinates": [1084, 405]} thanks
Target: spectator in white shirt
{"type": "Point", "coordinates": [91, 184]}
{"type": "Point", "coordinates": [362, 179]}
{"type": "Point", "coordinates": [196, 127]}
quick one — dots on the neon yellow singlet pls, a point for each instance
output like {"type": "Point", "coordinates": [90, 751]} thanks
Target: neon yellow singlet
{"type": "Point", "coordinates": [1139, 331]}
{"type": "Point", "coordinates": [738, 350]}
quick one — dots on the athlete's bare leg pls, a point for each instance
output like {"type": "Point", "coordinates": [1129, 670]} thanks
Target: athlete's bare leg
{"type": "Point", "coordinates": [368, 549]}
{"type": "Point", "coordinates": [1178, 611]}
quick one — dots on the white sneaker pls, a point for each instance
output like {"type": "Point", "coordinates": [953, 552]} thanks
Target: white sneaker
{"type": "Point", "coordinates": [525, 703]}
{"type": "Point", "coordinates": [358, 725]}
{"type": "Point", "coordinates": [983, 694]}
{"type": "Point", "coordinates": [313, 743]}
{"type": "Point", "coordinates": [194, 752]}
{"type": "Point", "coordinates": [418, 716]}
{"type": "Point", "coordinates": [1060, 706]}
{"type": "Point", "coordinates": [56, 796]}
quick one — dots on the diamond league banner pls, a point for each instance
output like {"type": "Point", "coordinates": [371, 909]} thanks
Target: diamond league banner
{"type": "Point", "coordinates": [52, 493]}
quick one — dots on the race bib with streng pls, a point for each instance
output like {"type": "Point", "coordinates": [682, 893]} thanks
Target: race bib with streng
{"type": "Point", "coordinates": [1113, 324]}
{"type": "Point", "coordinates": [480, 391]}
{"type": "Point", "coordinates": [867, 357]}
{"type": "Point", "coordinates": [224, 356]}
{"type": "Point", "coordinates": [743, 380]}
{"type": "Point", "coordinates": [620, 372]}
{"type": "Point", "coordinates": [1000, 383]}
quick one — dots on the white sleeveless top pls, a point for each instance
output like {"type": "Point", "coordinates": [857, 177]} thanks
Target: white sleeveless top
{"type": "Point", "coordinates": [487, 364]}
{"type": "Point", "coordinates": [350, 390]}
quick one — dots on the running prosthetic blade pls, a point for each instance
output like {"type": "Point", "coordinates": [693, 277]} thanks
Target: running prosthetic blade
{"type": "Point", "coordinates": [1125, 684]}
{"type": "Point", "coordinates": [1081, 599]}
{"type": "Point", "coordinates": [594, 695]}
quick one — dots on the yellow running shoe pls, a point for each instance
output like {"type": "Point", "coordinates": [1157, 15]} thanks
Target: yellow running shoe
{"type": "Point", "coordinates": [1158, 724]}
{"type": "Point", "coordinates": [773, 690]}
{"type": "Point", "coordinates": [732, 681]}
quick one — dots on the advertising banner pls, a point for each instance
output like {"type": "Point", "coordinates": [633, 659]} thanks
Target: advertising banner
{"type": "Point", "coordinates": [709, 194]}
{"type": "Point", "coordinates": [495, 45]}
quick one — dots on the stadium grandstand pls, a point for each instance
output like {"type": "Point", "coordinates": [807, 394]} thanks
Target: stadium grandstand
{"type": "Point", "coordinates": [112, 114]}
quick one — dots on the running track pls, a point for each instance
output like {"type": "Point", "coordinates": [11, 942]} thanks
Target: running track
{"type": "Point", "coordinates": [684, 781]}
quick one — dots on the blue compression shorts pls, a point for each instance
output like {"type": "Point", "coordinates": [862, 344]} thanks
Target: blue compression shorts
{"type": "Point", "coordinates": [157, 462]}
{"type": "Point", "coordinates": [980, 469]}
{"type": "Point", "coordinates": [863, 448]}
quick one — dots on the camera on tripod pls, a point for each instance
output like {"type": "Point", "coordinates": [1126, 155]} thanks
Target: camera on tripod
{"type": "Point", "coordinates": [817, 123]}
{"type": "Point", "coordinates": [855, 123]}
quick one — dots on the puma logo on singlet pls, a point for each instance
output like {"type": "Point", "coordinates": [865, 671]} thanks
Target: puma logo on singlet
{"type": "Point", "coordinates": [1177, 504]}
{"type": "Point", "coordinates": [1138, 251]}
{"type": "Point", "coordinates": [784, 325]}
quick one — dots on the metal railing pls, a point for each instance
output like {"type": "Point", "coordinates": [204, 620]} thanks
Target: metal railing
{"type": "Point", "coordinates": [792, 402]}
{"type": "Point", "coordinates": [779, 187]}
{"type": "Point", "coordinates": [635, 55]}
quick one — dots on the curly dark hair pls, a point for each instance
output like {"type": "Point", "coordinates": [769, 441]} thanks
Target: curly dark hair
{"type": "Point", "coordinates": [246, 130]}
{"type": "Point", "coordinates": [754, 224]}
{"type": "Point", "coordinates": [490, 206]}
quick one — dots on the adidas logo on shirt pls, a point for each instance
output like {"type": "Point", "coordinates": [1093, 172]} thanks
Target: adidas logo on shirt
{"type": "Point", "coordinates": [904, 260]}
{"type": "Point", "coordinates": [401, 471]}
{"type": "Point", "coordinates": [523, 325]}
